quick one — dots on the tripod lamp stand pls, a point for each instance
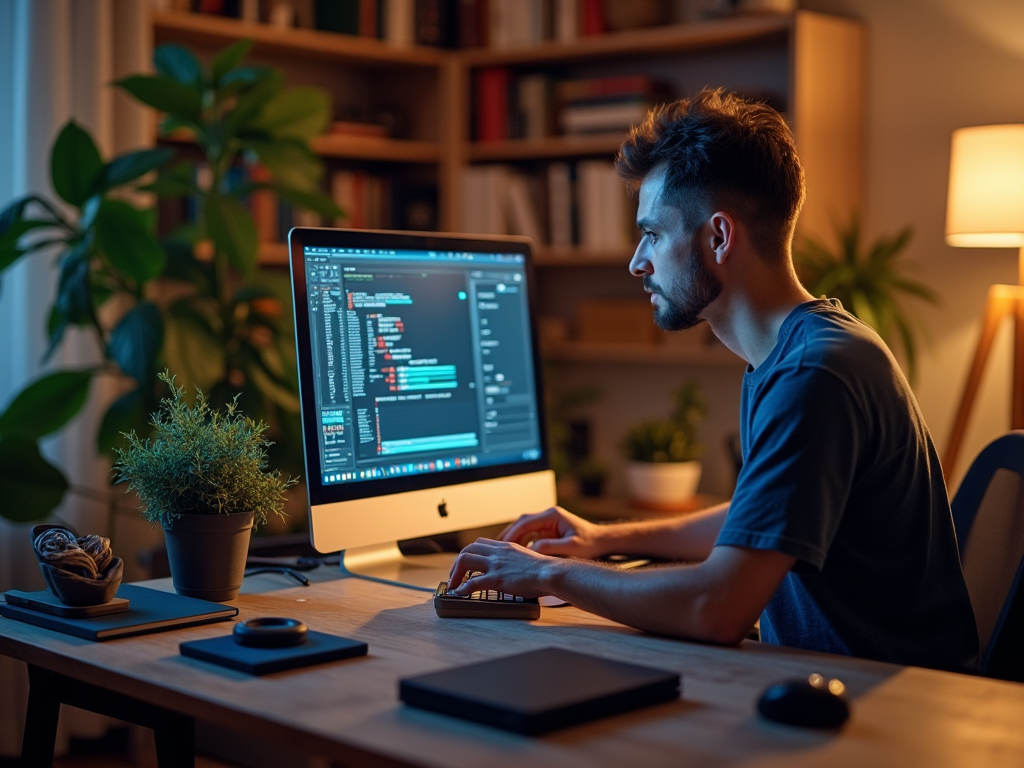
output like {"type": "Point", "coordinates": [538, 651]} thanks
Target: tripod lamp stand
{"type": "Point", "coordinates": [986, 210]}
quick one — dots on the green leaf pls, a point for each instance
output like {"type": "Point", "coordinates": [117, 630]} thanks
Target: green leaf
{"type": "Point", "coordinates": [184, 102]}
{"type": "Point", "coordinates": [311, 201]}
{"type": "Point", "coordinates": [229, 58]}
{"type": "Point", "coordinates": [255, 87]}
{"type": "Point", "coordinates": [291, 163]}
{"type": "Point", "coordinates": [298, 113]}
{"type": "Point", "coordinates": [75, 164]}
{"type": "Point", "coordinates": [193, 352]}
{"type": "Point", "coordinates": [129, 412]}
{"type": "Point", "coordinates": [32, 485]}
{"type": "Point", "coordinates": [11, 215]}
{"type": "Point", "coordinates": [123, 237]}
{"type": "Point", "coordinates": [176, 181]}
{"type": "Point", "coordinates": [136, 341]}
{"type": "Point", "coordinates": [232, 230]}
{"type": "Point", "coordinates": [74, 295]}
{"type": "Point", "coordinates": [47, 404]}
{"type": "Point", "coordinates": [178, 63]}
{"type": "Point", "coordinates": [130, 166]}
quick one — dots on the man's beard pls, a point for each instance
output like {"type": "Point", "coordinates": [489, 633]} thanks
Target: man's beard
{"type": "Point", "coordinates": [691, 294]}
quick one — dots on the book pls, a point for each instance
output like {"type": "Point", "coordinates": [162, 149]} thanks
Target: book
{"type": "Point", "coordinates": [340, 16]}
{"type": "Point", "coordinates": [560, 204]}
{"type": "Point", "coordinates": [597, 118]}
{"type": "Point", "coordinates": [319, 648]}
{"type": "Point", "coordinates": [566, 21]}
{"type": "Point", "coordinates": [491, 97]}
{"type": "Point", "coordinates": [522, 215]}
{"type": "Point", "coordinates": [400, 22]}
{"type": "Point", "coordinates": [150, 610]}
{"type": "Point", "coordinates": [540, 691]}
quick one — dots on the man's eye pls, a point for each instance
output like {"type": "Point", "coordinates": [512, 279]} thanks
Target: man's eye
{"type": "Point", "coordinates": [650, 235]}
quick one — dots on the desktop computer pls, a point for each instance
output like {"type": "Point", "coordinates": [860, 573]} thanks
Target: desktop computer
{"type": "Point", "coordinates": [420, 389]}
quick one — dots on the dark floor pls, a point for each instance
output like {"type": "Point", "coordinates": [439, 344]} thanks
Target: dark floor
{"type": "Point", "coordinates": [113, 751]}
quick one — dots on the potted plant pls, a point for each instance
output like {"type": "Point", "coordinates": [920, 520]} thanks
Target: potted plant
{"type": "Point", "coordinates": [869, 283]}
{"type": "Point", "coordinates": [664, 468]}
{"type": "Point", "coordinates": [203, 476]}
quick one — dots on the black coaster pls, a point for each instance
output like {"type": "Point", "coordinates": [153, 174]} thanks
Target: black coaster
{"type": "Point", "coordinates": [318, 649]}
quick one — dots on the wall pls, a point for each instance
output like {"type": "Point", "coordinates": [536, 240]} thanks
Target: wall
{"type": "Point", "coordinates": [933, 66]}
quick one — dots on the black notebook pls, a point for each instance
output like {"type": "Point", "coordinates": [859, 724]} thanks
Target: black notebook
{"type": "Point", "coordinates": [318, 649]}
{"type": "Point", "coordinates": [150, 610]}
{"type": "Point", "coordinates": [540, 691]}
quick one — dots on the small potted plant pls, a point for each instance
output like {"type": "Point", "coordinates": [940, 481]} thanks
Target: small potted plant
{"type": "Point", "coordinates": [664, 468]}
{"type": "Point", "coordinates": [203, 476]}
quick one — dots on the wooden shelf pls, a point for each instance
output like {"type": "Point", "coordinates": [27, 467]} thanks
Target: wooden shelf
{"type": "Point", "coordinates": [549, 147]}
{"type": "Point", "coordinates": [664, 354]}
{"type": "Point", "coordinates": [214, 31]}
{"type": "Point", "coordinates": [574, 256]}
{"type": "Point", "coordinates": [387, 150]}
{"type": "Point", "coordinates": [352, 147]}
{"type": "Point", "coordinates": [641, 42]}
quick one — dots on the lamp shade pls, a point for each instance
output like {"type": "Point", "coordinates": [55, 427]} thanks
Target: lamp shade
{"type": "Point", "coordinates": [986, 187]}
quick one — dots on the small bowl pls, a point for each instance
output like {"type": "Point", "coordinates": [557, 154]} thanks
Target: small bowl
{"type": "Point", "coordinates": [73, 589]}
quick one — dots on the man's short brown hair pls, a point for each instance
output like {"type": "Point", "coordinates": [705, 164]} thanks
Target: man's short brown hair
{"type": "Point", "coordinates": [721, 152]}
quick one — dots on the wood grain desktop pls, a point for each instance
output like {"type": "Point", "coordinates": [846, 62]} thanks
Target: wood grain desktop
{"type": "Point", "coordinates": [349, 711]}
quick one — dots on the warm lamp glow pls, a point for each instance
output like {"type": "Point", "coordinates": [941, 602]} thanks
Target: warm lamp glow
{"type": "Point", "coordinates": [986, 187]}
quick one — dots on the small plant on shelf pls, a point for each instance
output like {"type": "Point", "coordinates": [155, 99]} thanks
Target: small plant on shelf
{"type": "Point", "coordinates": [674, 438]}
{"type": "Point", "coordinates": [664, 469]}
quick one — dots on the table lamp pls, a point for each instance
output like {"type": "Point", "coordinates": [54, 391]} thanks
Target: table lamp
{"type": "Point", "coordinates": [986, 210]}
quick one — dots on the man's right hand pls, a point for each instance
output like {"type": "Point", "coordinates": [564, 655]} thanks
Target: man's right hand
{"type": "Point", "coordinates": [558, 532]}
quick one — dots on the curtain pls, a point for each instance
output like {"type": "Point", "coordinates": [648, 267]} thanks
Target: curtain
{"type": "Point", "coordinates": [57, 60]}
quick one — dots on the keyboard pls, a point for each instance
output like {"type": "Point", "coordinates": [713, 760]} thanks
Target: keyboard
{"type": "Point", "coordinates": [485, 604]}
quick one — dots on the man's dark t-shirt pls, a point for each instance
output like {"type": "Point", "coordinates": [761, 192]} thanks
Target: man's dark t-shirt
{"type": "Point", "coordinates": [839, 471]}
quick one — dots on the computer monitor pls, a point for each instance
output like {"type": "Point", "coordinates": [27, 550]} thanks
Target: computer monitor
{"type": "Point", "coordinates": [420, 390]}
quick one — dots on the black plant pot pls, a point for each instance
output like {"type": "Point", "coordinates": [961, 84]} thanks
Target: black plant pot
{"type": "Point", "coordinates": [207, 554]}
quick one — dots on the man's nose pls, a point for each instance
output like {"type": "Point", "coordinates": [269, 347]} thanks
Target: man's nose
{"type": "Point", "coordinates": [640, 265]}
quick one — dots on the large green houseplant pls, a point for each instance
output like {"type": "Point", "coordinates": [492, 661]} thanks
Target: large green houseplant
{"type": "Point", "coordinates": [664, 454]}
{"type": "Point", "coordinates": [226, 328]}
{"type": "Point", "coordinates": [869, 281]}
{"type": "Point", "coordinates": [203, 476]}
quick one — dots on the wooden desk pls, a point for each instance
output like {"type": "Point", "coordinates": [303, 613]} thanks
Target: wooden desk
{"type": "Point", "coordinates": [349, 711]}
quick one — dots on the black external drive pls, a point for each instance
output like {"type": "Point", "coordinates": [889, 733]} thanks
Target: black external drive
{"type": "Point", "coordinates": [540, 691]}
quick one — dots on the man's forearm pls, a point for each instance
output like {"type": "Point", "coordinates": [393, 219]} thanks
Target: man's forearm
{"type": "Point", "coordinates": [689, 538]}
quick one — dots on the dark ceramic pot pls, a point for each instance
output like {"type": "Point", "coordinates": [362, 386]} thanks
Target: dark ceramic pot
{"type": "Point", "coordinates": [207, 554]}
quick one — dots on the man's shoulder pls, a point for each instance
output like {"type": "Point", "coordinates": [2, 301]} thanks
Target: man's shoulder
{"type": "Point", "coordinates": [826, 339]}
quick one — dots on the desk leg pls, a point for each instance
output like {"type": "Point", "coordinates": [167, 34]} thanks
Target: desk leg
{"type": "Point", "coordinates": [175, 733]}
{"type": "Point", "coordinates": [40, 733]}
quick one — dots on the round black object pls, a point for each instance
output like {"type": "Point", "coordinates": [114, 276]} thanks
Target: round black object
{"type": "Point", "coordinates": [270, 632]}
{"type": "Point", "coordinates": [812, 703]}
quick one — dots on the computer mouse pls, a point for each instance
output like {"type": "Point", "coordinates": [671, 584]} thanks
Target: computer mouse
{"type": "Point", "coordinates": [814, 702]}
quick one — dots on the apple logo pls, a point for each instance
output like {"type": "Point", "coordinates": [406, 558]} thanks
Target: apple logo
{"type": "Point", "coordinates": [442, 508]}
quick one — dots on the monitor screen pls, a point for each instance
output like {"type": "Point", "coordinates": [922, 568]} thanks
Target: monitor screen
{"type": "Point", "coordinates": [418, 367]}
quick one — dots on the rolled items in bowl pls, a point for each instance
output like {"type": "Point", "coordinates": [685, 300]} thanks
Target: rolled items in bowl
{"type": "Point", "coordinates": [79, 571]}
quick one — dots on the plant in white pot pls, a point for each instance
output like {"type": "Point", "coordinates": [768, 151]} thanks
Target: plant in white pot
{"type": "Point", "coordinates": [664, 454]}
{"type": "Point", "coordinates": [203, 476]}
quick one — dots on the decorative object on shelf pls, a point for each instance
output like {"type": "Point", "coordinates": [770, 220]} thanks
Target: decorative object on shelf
{"type": "Point", "coordinates": [664, 454]}
{"type": "Point", "coordinates": [203, 476]}
{"type": "Point", "coordinates": [869, 283]}
{"type": "Point", "coordinates": [986, 210]}
{"type": "Point", "coordinates": [79, 571]}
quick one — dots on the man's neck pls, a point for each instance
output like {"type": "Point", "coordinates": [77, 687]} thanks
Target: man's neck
{"type": "Point", "coordinates": [747, 319]}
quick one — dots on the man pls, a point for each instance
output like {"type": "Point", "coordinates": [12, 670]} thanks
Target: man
{"type": "Point", "coordinates": [839, 534]}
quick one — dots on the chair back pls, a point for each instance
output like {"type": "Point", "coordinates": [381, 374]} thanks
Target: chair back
{"type": "Point", "coordinates": [988, 515]}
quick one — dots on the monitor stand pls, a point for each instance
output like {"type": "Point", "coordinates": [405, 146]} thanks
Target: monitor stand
{"type": "Point", "coordinates": [386, 563]}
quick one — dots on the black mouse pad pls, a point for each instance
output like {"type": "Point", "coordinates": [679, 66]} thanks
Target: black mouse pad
{"type": "Point", "coordinates": [541, 690]}
{"type": "Point", "coordinates": [318, 649]}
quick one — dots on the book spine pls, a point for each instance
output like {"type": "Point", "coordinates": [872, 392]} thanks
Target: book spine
{"type": "Point", "coordinates": [559, 205]}
{"type": "Point", "coordinates": [263, 203]}
{"type": "Point", "coordinates": [368, 17]}
{"type": "Point", "coordinates": [567, 20]}
{"type": "Point", "coordinates": [492, 101]}
{"type": "Point", "coordinates": [592, 18]}
{"type": "Point", "coordinates": [400, 22]}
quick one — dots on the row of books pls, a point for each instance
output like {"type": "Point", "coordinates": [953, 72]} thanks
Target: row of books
{"type": "Point", "coordinates": [368, 201]}
{"type": "Point", "coordinates": [531, 106]}
{"type": "Point", "coordinates": [441, 23]}
{"type": "Point", "coordinates": [567, 204]}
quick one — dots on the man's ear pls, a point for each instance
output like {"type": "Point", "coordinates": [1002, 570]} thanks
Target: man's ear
{"type": "Point", "coordinates": [723, 235]}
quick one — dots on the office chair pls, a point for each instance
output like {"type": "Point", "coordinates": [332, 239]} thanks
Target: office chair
{"type": "Point", "coordinates": [988, 515]}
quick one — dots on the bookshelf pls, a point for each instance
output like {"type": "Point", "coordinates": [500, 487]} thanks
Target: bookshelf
{"type": "Point", "coordinates": [814, 62]}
